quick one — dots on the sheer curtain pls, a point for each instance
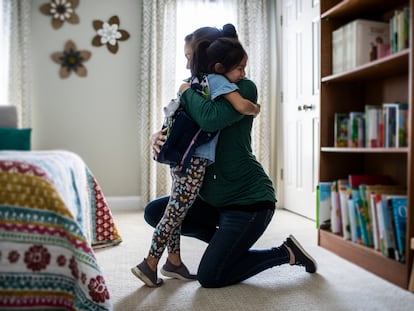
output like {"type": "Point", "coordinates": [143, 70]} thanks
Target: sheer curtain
{"type": "Point", "coordinates": [162, 40]}
{"type": "Point", "coordinates": [15, 69]}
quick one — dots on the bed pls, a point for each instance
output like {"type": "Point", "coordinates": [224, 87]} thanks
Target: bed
{"type": "Point", "coordinates": [53, 214]}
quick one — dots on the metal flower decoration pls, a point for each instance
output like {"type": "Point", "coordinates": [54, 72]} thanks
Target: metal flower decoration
{"type": "Point", "coordinates": [61, 11]}
{"type": "Point", "coordinates": [71, 60]}
{"type": "Point", "coordinates": [108, 33]}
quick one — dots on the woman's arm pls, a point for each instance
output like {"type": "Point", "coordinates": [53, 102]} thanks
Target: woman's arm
{"type": "Point", "coordinates": [215, 115]}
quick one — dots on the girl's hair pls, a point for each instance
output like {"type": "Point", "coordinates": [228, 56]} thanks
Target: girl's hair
{"type": "Point", "coordinates": [227, 51]}
{"type": "Point", "coordinates": [201, 40]}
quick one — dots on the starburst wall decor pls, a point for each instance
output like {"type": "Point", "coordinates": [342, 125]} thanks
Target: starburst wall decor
{"type": "Point", "coordinates": [61, 11]}
{"type": "Point", "coordinates": [71, 60]}
{"type": "Point", "coordinates": [108, 33]}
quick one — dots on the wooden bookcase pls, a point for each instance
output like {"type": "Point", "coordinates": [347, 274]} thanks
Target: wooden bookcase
{"type": "Point", "coordinates": [388, 79]}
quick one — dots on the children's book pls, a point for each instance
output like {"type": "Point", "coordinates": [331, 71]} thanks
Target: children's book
{"type": "Point", "coordinates": [336, 224]}
{"type": "Point", "coordinates": [365, 217]}
{"type": "Point", "coordinates": [402, 125]}
{"type": "Point", "coordinates": [343, 202]}
{"type": "Point", "coordinates": [353, 219]}
{"type": "Point", "coordinates": [362, 37]}
{"type": "Point", "coordinates": [398, 205]}
{"type": "Point", "coordinates": [324, 204]}
{"type": "Point", "coordinates": [373, 119]}
{"type": "Point", "coordinates": [354, 180]}
{"type": "Point", "coordinates": [361, 217]}
{"type": "Point", "coordinates": [341, 129]}
{"type": "Point", "coordinates": [390, 113]}
{"type": "Point", "coordinates": [371, 192]}
{"type": "Point", "coordinates": [387, 227]}
{"type": "Point", "coordinates": [356, 129]}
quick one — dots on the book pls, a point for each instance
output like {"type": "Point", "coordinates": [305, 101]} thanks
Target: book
{"type": "Point", "coordinates": [343, 202]}
{"type": "Point", "coordinates": [363, 37]}
{"type": "Point", "coordinates": [341, 129]}
{"type": "Point", "coordinates": [371, 192]}
{"type": "Point", "coordinates": [390, 112]}
{"type": "Point", "coordinates": [386, 226]}
{"type": "Point", "coordinates": [402, 125]}
{"type": "Point", "coordinates": [324, 213]}
{"type": "Point", "coordinates": [353, 219]}
{"type": "Point", "coordinates": [337, 50]}
{"type": "Point", "coordinates": [354, 180]}
{"type": "Point", "coordinates": [336, 218]}
{"type": "Point", "coordinates": [365, 216]}
{"type": "Point", "coordinates": [399, 30]}
{"type": "Point", "coordinates": [373, 119]}
{"type": "Point", "coordinates": [356, 129]}
{"type": "Point", "coordinates": [360, 217]}
{"type": "Point", "coordinates": [398, 205]}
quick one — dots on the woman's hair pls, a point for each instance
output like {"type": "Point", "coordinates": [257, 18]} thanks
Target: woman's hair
{"type": "Point", "coordinates": [202, 38]}
{"type": "Point", "coordinates": [227, 51]}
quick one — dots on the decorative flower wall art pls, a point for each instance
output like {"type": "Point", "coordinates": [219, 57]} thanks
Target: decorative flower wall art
{"type": "Point", "coordinates": [71, 60]}
{"type": "Point", "coordinates": [108, 33]}
{"type": "Point", "coordinates": [61, 11]}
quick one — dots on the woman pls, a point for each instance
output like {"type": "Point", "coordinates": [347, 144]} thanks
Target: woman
{"type": "Point", "coordinates": [236, 202]}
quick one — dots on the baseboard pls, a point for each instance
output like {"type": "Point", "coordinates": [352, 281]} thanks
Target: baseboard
{"type": "Point", "coordinates": [125, 203]}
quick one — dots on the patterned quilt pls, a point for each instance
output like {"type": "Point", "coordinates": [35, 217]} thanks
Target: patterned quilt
{"type": "Point", "coordinates": [52, 214]}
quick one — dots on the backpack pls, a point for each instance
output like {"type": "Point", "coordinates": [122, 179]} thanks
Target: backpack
{"type": "Point", "coordinates": [184, 135]}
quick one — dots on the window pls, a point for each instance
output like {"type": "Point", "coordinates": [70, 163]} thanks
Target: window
{"type": "Point", "coordinates": [195, 14]}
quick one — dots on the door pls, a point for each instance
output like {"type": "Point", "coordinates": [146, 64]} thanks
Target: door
{"type": "Point", "coordinates": [300, 104]}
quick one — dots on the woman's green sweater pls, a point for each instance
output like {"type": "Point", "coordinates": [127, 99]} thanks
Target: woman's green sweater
{"type": "Point", "coordinates": [236, 177]}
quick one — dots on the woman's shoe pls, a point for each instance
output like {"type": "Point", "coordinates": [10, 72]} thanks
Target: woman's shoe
{"type": "Point", "coordinates": [302, 258]}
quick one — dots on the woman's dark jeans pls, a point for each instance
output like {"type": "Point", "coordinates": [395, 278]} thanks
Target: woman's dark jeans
{"type": "Point", "coordinates": [230, 234]}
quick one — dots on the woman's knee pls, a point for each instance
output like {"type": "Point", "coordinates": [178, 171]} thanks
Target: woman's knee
{"type": "Point", "coordinates": [207, 278]}
{"type": "Point", "coordinates": [154, 210]}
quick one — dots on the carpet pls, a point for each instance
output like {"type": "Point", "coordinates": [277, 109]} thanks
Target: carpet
{"type": "Point", "coordinates": [338, 284]}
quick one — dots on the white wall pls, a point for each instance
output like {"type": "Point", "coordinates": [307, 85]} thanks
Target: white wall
{"type": "Point", "coordinates": [94, 116]}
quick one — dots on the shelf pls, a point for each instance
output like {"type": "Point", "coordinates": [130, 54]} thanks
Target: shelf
{"type": "Point", "coordinates": [388, 79]}
{"type": "Point", "coordinates": [390, 65]}
{"type": "Point", "coordinates": [364, 150]}
{"type": "Point", "coordinates": [356, 8]}
{"type": "Point", "coordinates": [366, 257]}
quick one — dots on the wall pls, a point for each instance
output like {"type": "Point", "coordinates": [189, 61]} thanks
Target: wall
{"type": "Point", "coordinates": [94, 116]}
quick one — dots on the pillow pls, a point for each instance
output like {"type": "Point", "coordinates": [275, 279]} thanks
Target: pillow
{"type": "Point", "coordinates": [15, 139]}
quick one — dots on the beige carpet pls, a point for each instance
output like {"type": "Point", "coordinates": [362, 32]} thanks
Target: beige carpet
{"type": "Point", "coordinates": [338, 284]}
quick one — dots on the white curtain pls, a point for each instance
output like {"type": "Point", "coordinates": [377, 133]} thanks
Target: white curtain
{"type": "Point", "coordinates": [158, 53]}
{"type": "Point", "coordinates": [156, 87]}
{"type": "Point", "coordinates": [15, 55]}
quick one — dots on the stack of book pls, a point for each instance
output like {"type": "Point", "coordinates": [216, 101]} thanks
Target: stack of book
{"type": "Point", "coordinates": [355, 44]}
{"type": "Point", "coordinates": [378, 126]}
{"type": "Point", "coordinates": [361, 41]}
{"type": "Point", "coordinates": [399, 30]}
{"type": "Point", "coordinates": [368, 210]}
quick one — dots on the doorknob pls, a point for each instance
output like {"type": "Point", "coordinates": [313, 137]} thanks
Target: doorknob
{"type": "Point", "coordinates": [305, 107]}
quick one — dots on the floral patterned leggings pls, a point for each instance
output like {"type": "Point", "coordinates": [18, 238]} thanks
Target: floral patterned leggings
{"type": "Point", "coordinates": [184, 190]}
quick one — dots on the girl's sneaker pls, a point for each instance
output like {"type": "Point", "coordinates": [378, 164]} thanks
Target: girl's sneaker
{"type": "Point", "coordinates": [178, 272]}
{"type": "Point", "coordinates": [146, 274]}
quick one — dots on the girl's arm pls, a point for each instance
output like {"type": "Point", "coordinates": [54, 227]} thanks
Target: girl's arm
{"type": "Point", "coordinates": [242, 105]}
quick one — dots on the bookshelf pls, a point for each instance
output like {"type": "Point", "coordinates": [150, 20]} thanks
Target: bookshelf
{"type": "Point", "coordinates": [387, 79]}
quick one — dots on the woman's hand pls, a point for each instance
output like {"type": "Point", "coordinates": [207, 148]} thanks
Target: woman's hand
{"type": "Point", "coordinates": [157, 139]}
{"type": "Point", "coordinates": [184, 87]}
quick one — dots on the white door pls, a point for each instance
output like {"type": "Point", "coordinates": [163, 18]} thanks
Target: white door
{"type": "Point", "coordinates": [300, 104]}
